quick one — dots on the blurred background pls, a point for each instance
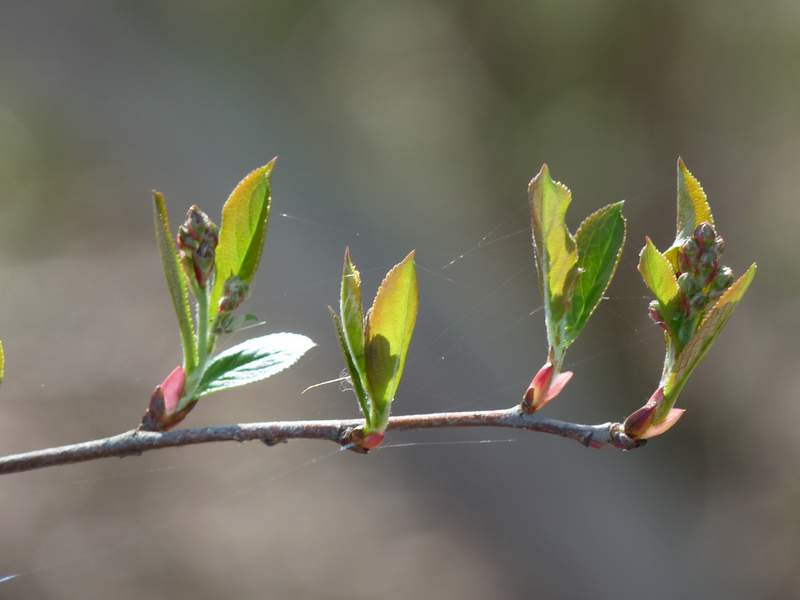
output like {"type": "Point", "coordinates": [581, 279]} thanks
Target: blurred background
{"type": "Point", "coordinates": [398, 126]}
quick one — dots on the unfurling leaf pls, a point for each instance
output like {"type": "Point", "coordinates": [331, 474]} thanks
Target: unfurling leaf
{"type": "Point", "coordinates": [243, 229]}
{"type": "Point", "coordinates": [600, 239]}
{"type": "Point", "coordinates": [375, 348]}
{"type": "Point", "coordinates": [574, 273]}
{"type": "Point", "coordinates": [711, 326]}
{"type": "Point", "coordinates": [176, 282]}
{"type": "Point", "coordinates": [693, 207]}
{"type": "Point", "coordinates": [658, 274]}
{"type": "Point", "coordinates": [390, 325]}
{"type": "Point", "coordinates": [352, 315]}
{"type": "Point", "coordinates": [252, 360]}
{"type": "Point", "coordinates": [555, 250]}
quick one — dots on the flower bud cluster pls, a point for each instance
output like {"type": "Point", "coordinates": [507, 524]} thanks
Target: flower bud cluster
{"type": "Point", "coordinates": [234, 292]}
{"type": "Point", "coordinates": [197, 241]}
{"type": "Point", "coordinates": [701, 277]}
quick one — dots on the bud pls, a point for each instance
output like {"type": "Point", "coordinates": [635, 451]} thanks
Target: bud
{"type": "Point", "coordinates": [719, 244]}
{"type": "Point", "coordinates": [687, 284]}
{"type": "Point", "coordinates": [639, 425]}
{"type": "Point", "coordinates": [698, 301]}
{"type": "Point", "coordinates": [705, 235]}
{"type": "Point", "coordinates": [197, 241]}
{"type": "Point", "coordinates": [545, 385]}
{"type": "Point", "coordinates": [708, 265]}
{"type": "Point", "coordinates": [234, 292]}
{"type": "Point", "coordinates": [162, 413]}
{"type": "Point", "coordinates": [687, 255]}
{"type": "Point", "coordinates": [724, 279]}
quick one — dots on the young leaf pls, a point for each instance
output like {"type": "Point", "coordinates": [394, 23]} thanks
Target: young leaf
{"type": "Point", "coordinates": [658, 274]}
{"type": "Point", "coordinates": [693, 207]}
{"type": "Point", "coordinates": [390, 325]}
{"type": "Point", "coordinates": [600, 239]}
{"type": "Point", "coordinates": [252, 360]}
{"type": "Point", "coordinates": [2, 363]}
{"type": "Point", "coordinates": [352, 314]}
{"type": "Point", "coordinates": [554, 247]}
{"type": "Point", "coordinates": [243, 230]}
{"type": "Point", "coordinates": [356, 378]}
{"type": "Point", "coordinates": [711, 326]}
{"type": "Point", "coordinates": [176, 281]}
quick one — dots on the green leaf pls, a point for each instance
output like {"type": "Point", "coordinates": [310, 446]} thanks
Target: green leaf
{"type": "Point", "coordinates": [390, 325]}
{"type": "Point", "coordinates": [600, 239]}
{"type": "Point", "coordinates": [243, 229]}
{"type": "Point", "coordinates": [252, 360]}
{"type": "Point", "coordinates": [693, 207]}
{"type": "Point", "coordinates": [356, 378]}
{"type": "Point", "coordinates": [554, 247]}
{"type": "Point", "coordinates": [352, 314]}
{"type": "Point", "coordinates": [176, 282]}
{"type": "Point", "coordinates": [2, 363]}
{"type": "Point", "coordinates": [658, 274]}
{"type": "Point", "coordinates": [712, 325]}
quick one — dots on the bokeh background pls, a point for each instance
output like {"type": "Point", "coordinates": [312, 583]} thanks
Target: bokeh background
{"type": "Point", "coordinates": [398, 125]}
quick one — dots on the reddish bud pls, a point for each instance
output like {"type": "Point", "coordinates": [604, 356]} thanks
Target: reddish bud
{"type": "Point", "coordinates": [162, 413]}
{"type": "Point", "coordinates": [372, 441]}
{"type": "Point", "coordinates": [545, 385]}
{"type": "Point", "coordinates": [639, 424]}
{"type": "Point", "coordinates": [673, 416]}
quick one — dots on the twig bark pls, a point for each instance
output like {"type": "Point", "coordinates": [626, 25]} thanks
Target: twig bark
{"type": "Point", "coordinates": [342, 432]}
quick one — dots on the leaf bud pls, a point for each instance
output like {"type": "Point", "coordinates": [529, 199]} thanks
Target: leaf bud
{"type": "Point", "coordinates": [162, 413]}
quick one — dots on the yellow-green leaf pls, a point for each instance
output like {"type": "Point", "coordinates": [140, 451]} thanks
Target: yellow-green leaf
{"type": "Point", "coordinates": [658, 274]}
{"type": "Point", "coordinates": [356, 378]}
{"type": "Point", "coordinates": [390, 325]}
{"type": "Point", "coordinates": [697, 347]}
{"type": "Point", "coordinates": [693, 207]}
{"type": "Point", "coordinates": [351, 312]}
{"type": "Point", "coordinates": [176, 281]}
{"type": "Point", "coordinates": [554, 247]}
{"type": "Point", "coordinates": [2, 363]}
{"type": "Point", "coordinates": [243, 229]}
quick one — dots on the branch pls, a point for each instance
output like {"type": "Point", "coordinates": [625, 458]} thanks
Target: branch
{"type": "Point", "coordinates": [342, 432]}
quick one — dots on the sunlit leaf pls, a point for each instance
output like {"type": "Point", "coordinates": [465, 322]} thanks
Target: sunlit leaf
{"type": "Point", "coordinates": [555, 249]}
{"type": "Point", "coordinates": [693, 207]}
{"type": "Point", "coordinates": [176, 281]}
{"type": "Point", "coordinates": [252, 360]}
{"type": "Point", "coordinates": [599, 239]}
{"type": "Point", "coordinates": [352, 314]}
{"type": "Point", "coordinates": [356, 378]}
{"type": "Point", "coordinates": [245, 217]}
{"type": "Point", "coordinates": [2, 362]}
{"type": "Point", "coordinates": [712, 325]}
{"type": "Point", "coordinates": [390, 325]}
{"type": "Point", "coordinates": [658, 274]}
